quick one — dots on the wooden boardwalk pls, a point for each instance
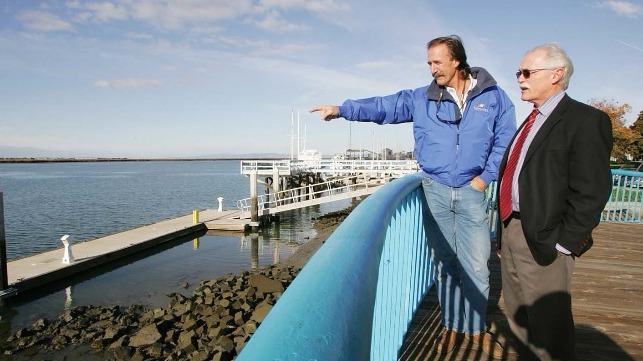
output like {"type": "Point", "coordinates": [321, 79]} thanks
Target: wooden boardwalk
{"type": "Point", "coordinates": [607, 299]}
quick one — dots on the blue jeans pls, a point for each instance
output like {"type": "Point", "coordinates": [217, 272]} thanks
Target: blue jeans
{"type": "Point", "coordinates": [458, 234]}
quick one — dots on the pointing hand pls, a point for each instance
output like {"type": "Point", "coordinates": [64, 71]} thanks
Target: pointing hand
{"type": "Point", "coordinates": [327, 112]}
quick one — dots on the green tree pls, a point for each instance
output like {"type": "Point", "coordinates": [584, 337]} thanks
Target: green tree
{"type": "Point", "coordinates": [637, 128]}
{"type": "Point", "coordinates": [624, 137]}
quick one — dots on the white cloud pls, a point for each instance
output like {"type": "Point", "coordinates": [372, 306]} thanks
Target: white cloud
{"type": "Point", "coordinates": [371, 65]}
{"type": "Point", "coordinates": [139, 36]}
{"type": "Point", "coordinates": [321, 6]}
{"type": "Point", "coordinates": [263, 47]}
{"type": "Point", "coordinates": [106, 11]}
{"type": "Point", "coordinates": [273, 21]}
{"type": "Point", "coordinates": [622, 8]}
{"type": "Point", "coordinates": [175, 14]}
{"type": "Point", "coordinates": [43, 21]}
{"type": "Point", "coordinates": [127, 83]}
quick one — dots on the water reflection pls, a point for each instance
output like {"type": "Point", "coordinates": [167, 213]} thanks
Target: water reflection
{"type": "Point", "coordinates": [68, 298]}
{"type": "Point", "coordinates": [254, 254]}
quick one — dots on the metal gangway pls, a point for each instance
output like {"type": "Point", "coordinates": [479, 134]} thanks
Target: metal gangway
{"type": "Point", "coordinates": [331, 190]}
{"type": "Point", "coordinates": [340, 179]}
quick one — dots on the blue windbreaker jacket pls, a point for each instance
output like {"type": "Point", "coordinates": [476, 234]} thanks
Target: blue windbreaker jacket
{"type": "Point", "coordinates": [450, 148]}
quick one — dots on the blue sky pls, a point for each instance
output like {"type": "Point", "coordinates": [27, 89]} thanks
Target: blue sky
{"type": "Point", "coordinates": [190, 78]}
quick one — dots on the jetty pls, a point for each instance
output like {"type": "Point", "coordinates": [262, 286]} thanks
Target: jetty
{"type": "Point", "coordinates": [30, 272]}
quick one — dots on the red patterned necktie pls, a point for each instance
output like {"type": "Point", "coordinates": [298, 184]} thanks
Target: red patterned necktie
{"type": "Point", "coordinates": [510, 167]}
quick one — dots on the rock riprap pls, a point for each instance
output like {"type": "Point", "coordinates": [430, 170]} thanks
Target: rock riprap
{"type": "Point", "coordinates": [212, 324]}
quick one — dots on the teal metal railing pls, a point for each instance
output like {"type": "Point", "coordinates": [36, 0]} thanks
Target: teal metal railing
{"type": "Point", "coordinates": [356, 296]}
{"type": "Point", "coordinates": [626, 201]}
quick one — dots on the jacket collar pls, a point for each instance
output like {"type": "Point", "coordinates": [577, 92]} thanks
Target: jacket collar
{"type": "Point", "coordinates": [548, 126]}
{"type": "Point", "coordinates": [483, 78]}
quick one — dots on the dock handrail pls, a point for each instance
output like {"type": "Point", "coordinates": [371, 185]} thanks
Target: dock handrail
{"type": "Point", "coordinates": [626, 201]}
{"type": "Point", "coordinates": [376, 261]}
{"type": "Point", "coordinates": [326, 188]}
{"type": "Point", "coordinates": [329, 166]}
{"type": "Point", "coordinates": [265, 166]}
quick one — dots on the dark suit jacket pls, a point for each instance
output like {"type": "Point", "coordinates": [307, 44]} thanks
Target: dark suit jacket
{"type": "Point", "coordinates": [565, 180]}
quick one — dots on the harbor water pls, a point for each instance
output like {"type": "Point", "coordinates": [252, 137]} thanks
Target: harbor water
{"type": "Point", "coordinates": [43, 201]}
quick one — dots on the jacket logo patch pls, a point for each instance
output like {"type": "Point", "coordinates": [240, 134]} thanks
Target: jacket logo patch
{"type": "Point", "coordinates": [481, 108]}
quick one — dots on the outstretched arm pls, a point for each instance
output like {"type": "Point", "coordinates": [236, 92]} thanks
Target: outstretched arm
{"type": "Point", "coordinates": [327, 112]}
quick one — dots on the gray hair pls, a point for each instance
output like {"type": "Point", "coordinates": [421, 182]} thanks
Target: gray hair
{"type": "Point", "coordinates": [556, 57]}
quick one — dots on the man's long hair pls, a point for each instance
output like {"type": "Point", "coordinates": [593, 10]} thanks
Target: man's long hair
{"type": "Point", "coordinates": [456, 48]}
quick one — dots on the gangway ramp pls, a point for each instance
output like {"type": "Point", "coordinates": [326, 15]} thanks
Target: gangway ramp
{"type": "Point", "coordinates": [328, 191]}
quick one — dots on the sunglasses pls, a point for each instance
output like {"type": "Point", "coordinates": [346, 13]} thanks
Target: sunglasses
{"type": "Point", "coordinates": [444, 115]}
{"type": "Point", "coordinates": [527, 72]}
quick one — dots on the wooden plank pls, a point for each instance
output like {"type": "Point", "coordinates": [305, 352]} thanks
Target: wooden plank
{"type": "Point", "coordinates": [607, 296]}
{"type": "Point", "coordinates": [228, 224]}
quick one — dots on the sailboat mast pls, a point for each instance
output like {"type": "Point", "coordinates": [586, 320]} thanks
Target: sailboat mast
{"type": "Point", "coordinates": [292, 135]}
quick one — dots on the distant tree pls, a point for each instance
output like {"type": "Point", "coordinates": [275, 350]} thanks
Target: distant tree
{"type": "Point", "coordinates": [624, 137]}
{"type": "Point", "coordinates": [637, 128]}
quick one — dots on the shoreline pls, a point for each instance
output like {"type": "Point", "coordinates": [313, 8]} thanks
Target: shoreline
{"type": "Point", "coordinates": [99, 160]}
{"type": "Point", "coordinates": [63, 338]}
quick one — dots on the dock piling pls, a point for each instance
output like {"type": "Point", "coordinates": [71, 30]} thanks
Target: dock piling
{"type": "Point", "coordinates": [254, 205]}
{"type": "Point", "coordinates": [3, 248]}
{"type": "Point", "coordinates": [275, 184]}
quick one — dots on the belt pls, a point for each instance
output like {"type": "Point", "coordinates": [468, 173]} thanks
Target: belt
{"type": "Point", "coordinates": [513, 215]}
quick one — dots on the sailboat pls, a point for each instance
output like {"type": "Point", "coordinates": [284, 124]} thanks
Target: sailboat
{"type": "Point", "coordinates": [309, 157]}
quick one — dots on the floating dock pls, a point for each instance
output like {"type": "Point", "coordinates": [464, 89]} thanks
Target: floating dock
{"type": "Point", "coordinates": [36, 270]}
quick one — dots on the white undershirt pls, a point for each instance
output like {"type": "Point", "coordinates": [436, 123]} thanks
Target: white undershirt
{"type": "Point", "coordinates": [462, 103]}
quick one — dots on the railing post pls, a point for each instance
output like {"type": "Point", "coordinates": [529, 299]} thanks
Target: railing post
{"type": "Point", "coordinates": [254, 206]}
{"type": "Point", "coordinates": [3, 248]}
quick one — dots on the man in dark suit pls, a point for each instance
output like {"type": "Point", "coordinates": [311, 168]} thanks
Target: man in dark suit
{"type": "Point", "coordinates": [554, 182]}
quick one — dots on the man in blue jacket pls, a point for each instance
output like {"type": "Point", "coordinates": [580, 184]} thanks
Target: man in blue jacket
{"type": "Point", "coordinates": [462, 123]}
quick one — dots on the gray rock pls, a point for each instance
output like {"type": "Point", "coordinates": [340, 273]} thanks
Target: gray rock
{"type": "Point", "coordinates": [213, 324]}
{"type": "Point", "coordinates": [186, 341]}
{"type": "Point", "coordinates": [113, 332]}
{"type": "Point", "coordinates": [155, 351]}
{"type": "Point", "coordinates": [261, 311]}
{"type": "Point", "coordinates": [120, 343]}
{"type": "Point", "coordinates": [145, 336]}
{"type": "Point", "coordinates": [40, 324]}
{"type": "Point", "coordinates": [121, 353]}
{"type": "Point", "coordinates": [225, 344]}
